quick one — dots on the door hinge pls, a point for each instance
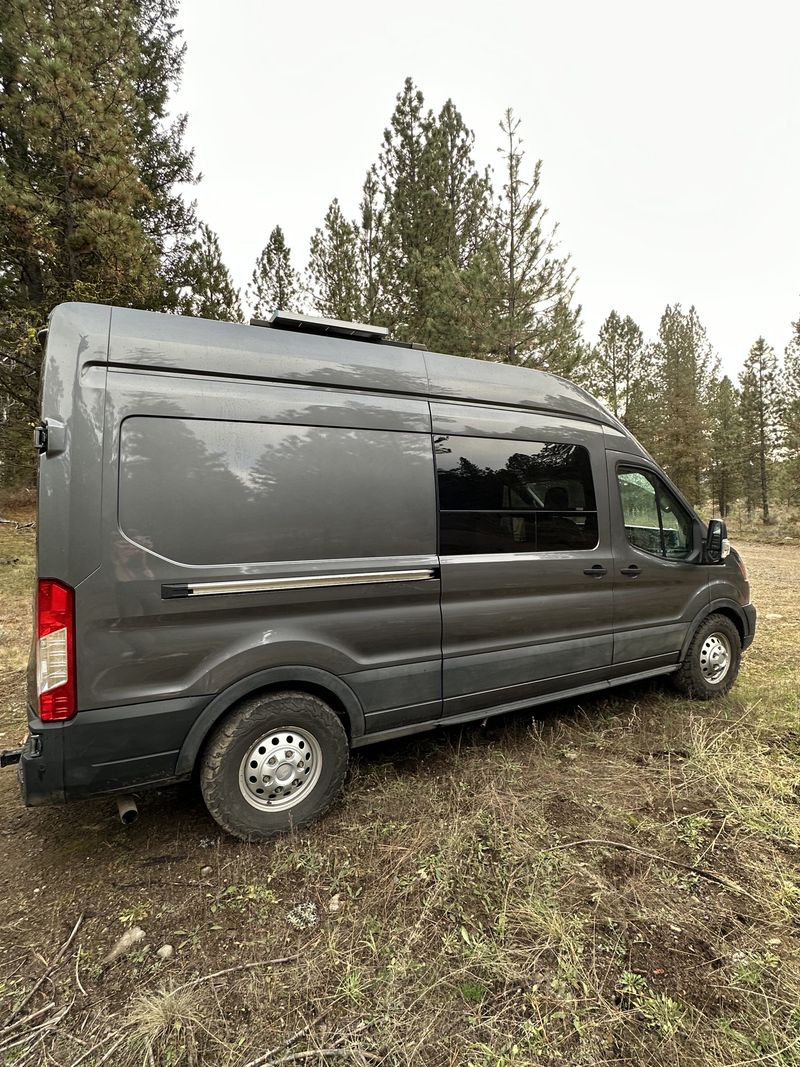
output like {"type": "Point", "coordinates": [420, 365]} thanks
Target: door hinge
{"type": "Point", "coordinates": [50, 437]}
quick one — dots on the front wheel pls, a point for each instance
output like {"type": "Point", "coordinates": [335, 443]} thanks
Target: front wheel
{"type": "Point", "coordinates": [712, 661]}
{"type": "Point", "coordinates": [275, 763]}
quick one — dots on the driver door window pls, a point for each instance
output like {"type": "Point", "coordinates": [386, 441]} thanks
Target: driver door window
{"type": "Point", "coordinates": [655, 521]}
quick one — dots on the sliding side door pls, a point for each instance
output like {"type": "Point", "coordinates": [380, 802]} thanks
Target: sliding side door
{"type": "Point", "coordinates": [525, 555]}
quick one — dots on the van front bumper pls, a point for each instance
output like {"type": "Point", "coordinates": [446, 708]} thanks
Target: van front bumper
{"type": "Point", "coordinates": [41, 764]}
{"type": "Point", "coordinates": [749, 625]}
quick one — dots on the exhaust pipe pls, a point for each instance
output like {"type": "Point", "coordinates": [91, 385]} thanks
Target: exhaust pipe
{"type": "Point", "coordinates": [128, 809]}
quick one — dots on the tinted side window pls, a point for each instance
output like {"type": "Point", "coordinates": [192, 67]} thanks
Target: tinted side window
{"type": "Point", "coordinates": [241, 492]}
{"type": "Point", "coordinates": [655, 520]}
{"type": "Point", "coordinates": [676, 523]}
{"type": "Point", "coordinates": [514, 496]}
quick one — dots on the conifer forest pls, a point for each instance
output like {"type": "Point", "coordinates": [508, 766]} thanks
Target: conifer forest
{"type": "Point", "coordinates": [96, 182]}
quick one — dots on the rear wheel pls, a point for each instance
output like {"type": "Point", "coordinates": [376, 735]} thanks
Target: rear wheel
{"type": "Point", "coordinates": [275, 763]}
{"type": "Point", "coordinates": [712, 661]}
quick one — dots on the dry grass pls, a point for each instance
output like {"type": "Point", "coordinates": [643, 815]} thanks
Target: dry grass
{"type": "Point", "coordinates": [783, 526]}
{"type": "Point", "coordinates": [428, 919]}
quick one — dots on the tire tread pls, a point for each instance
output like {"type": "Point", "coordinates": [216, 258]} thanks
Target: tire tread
{"type": "Point", "coordinates": [689, 679]}
{"type": "Point", "coordinates": [308, 709]}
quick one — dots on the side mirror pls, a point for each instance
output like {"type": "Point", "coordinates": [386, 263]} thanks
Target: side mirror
{"type": "Point", "coordinates": [718, 546]}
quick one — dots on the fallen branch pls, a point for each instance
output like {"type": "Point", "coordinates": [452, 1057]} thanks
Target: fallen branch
{"type": "Point", "coordinates": [238, 967]}
{"type": "Point", "coordinates": [30, 1051]}
{"type": "Point", "coordinates": [25, 1020]}
{"type": "Point", "coordinates": [294, 1057]}
{"type": "Point", "coordinates": [77, 976]}
{"type": "Point", "coordinates": [15, 1040]}
{"type": "Point", "coordinates": [94, 1048]}
{"type": "Point", "coordinates": [19, 525]}
{"type": "Point", "coordinates": [702, 871]}
{"type": "Point", "coordinates": [263, 1059]}
{"type": "Point", "coordinates": [49, 970]}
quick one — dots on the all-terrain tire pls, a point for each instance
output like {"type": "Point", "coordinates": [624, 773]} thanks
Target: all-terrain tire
{"type": "Point", "coordinates": [701, 674]}
{"type": "Point", "coordinates": [234, 748]}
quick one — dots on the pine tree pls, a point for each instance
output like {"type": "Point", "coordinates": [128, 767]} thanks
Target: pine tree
{"type": "Point", "coordinates": [20, 359]}
{"type": "Point", "coordinates": [725, 446]}
{"type": "Point", "coordinates": [206, 289]}
{"type": "Point", "coordinates": [644, 413]}
{"type": "Point", "coordinates": [459, 261]}
{"type": "Point", "coordinates": [538, 326]}
{"type": "Point", "coordinates": [69, 183]}
{"type": "Point", "coordinates": [334, 268]}
{"type": "Point", "coordinates": [436, 214]}
{"type": "Point", "coordinates": [790, 417]}
{"type": "Point", "coordinates": [760, 408]}
{"type": "Point", "coordinates": [274, 285]}
{"type": "Point", "coordinates": [164, 163]}
{"type": "Point", "coordinates": [373, 256]}
{"type": "Point", "coordinates": [456, 211]}
{"type": "Point", "coordinates": [403, 193]}
{"type": "Point", "coordinates": [616, 363]}
{"type": "Point", "coordinates": [89, 164]}
{"type": "Point", "coordinates": [685, 368]}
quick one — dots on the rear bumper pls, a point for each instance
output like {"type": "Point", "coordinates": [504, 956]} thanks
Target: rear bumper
{"type": "Point", "coordinates": [749, 625]}
{"type": "Point", "coordinates": [105, 751]}
{"type": "Point", "coordinates": [41, 765]}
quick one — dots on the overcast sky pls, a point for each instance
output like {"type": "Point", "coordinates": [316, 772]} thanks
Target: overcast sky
{"type": "Point", "coordinates": [670, 134]}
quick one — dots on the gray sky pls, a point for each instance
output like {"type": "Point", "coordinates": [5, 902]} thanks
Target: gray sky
{"type": "Point", "coordinates": [670, 134]}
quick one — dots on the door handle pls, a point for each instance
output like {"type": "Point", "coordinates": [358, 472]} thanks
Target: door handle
{"type": "Point", "coordinates": [597, 571]}
{"type": "Point", "coordinates": [631, 572]}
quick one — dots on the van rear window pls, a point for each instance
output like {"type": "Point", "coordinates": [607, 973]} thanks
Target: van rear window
{"type": "Point", "coordinates": [514, 496]}
{"type": "Point", "coordinates": [214, 492]}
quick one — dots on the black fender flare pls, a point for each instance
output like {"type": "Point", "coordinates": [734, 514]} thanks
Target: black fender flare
{"type": "Point", "coordinates": [729, 607]}
{"type": "Point", "coordinates": [313, 677]}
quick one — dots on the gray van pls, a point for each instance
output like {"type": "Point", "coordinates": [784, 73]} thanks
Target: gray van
{"type": "Point", "coordinates": [261, 546]}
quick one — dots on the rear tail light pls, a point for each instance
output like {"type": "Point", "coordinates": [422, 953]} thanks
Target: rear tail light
{"type": "Point", "coordinates": [55, 650]}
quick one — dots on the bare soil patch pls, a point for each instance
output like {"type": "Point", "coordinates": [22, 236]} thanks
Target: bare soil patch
{"type": "Point", "coordinates": [428, 919]}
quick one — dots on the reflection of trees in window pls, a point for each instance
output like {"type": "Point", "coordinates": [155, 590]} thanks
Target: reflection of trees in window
{"type": "Point", "coordinates": [177, 485]}
{"type": "Point", "coordinates": [260, 492]}
{"type": "Point", "coordinates": [470, 486]}
{"type": "Point", "coordinates": [467, 481]}
{"type": "Point", "coordinates": [328, 492]}
{"type": "Point", "coordinates": [495, 497]}
{"type": "Point", "coordinates": [654, 520]}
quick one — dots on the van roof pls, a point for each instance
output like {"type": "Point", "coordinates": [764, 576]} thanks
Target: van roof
{"type": "Point", "coordinates": [179, 344]}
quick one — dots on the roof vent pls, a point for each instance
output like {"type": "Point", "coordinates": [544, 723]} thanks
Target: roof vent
{"type": "Point", "coordinates": [353, 331]}
{"type": "Point", "coordinates": [356, 331]}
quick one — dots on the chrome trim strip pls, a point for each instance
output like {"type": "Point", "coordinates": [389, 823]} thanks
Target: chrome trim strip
{"type": "Point", "coordinates": [310, 581]}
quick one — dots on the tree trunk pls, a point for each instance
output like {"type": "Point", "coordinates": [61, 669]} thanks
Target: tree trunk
{"type": "Point", "coordinates": [762, 459]}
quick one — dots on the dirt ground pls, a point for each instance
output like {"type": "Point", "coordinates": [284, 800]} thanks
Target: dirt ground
{"type": "Point", "coordinates": [610, 882]}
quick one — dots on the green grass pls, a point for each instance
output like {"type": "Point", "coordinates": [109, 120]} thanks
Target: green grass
{"type": "Point", "coordinates": [432, 917]}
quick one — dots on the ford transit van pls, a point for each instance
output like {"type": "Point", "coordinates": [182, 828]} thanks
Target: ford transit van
{"type": "Point", "coordinates": [261, 546]}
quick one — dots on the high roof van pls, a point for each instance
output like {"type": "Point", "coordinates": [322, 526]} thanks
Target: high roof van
{"type": "Point", "coordinates": [261, 546]}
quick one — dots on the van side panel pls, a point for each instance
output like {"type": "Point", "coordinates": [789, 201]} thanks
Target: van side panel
{"type": "Point", "coordinates": [209, 483]}
{"type": "Point", "coordinates": [457, 379]}
{"type": "Point", "coordinates": [226, 349]}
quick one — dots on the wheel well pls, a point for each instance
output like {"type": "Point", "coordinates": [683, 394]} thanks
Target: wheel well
{"type": "Point", "coordinates": [325, 695]}
{"type": "Point", "coordinates": [735, 618]}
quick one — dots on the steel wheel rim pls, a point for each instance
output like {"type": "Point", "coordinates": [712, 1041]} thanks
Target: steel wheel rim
{"type": "Point", "coordinates": [715, 657]}
{"type": "Point", "coordinates": [280, 769]}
